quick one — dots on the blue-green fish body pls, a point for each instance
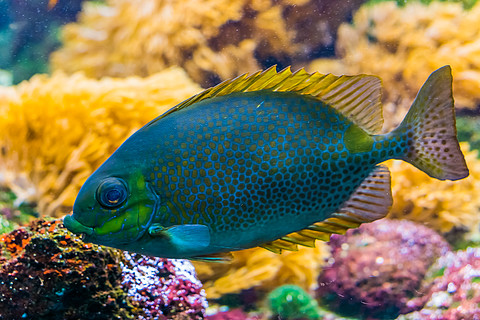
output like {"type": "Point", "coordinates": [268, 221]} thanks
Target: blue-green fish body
{"type": "Point", "coordinates": [270, 160]}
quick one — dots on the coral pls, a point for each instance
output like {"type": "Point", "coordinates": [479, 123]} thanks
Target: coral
{"type": "Point", "coordinates": [12, 216]}
{"type": "Point", "coordinates": [49, 273]}
{"type": "Point", "coordinates": [292, 302]}
{"type": "Point", "coordinates": [56, 130]}
{"type": "Point", "coordinates": [164, 289]}
{"type": "Point", "coordinates": [263, 270]}
{"type": "Point", "coordinates": [403, 45]}
{"type": "Point", "coordinates": [376, 269]}
{"type": "Point", "coordinates": [453, 288]}
{"type": "Point", "coordinates": [216, 40]}
{"type": "Point", "coordinates": [234, 314]}
{"type": "Point", "coordinates": [441, 205]}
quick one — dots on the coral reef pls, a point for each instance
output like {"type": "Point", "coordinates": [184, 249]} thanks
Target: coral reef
{"type": "Point", "coordinates": [453, 288]}
{"type": "Point", "coordinates": [234, 314]}
{"type": "Point", "coordinates": [163, 289]}
{"type": "Point", "coordinates": [376, 269]}
{"type": "Point", "coordinates": [87, 120]}
{"type": "Point", "coordinates": [217, 40]}
{"type": "Point", "coordinates": [49, 273]}
{"type": "Point", "coordinates": [403, 45]}
{"type": "Point", "coordinates": [12, 216]}
{"type": "Point", "coordinates": [263, 270]}
{"type": "Point", "coordinates": [292, 302]}
{"type": "Point", "coordinates": [441, 205]}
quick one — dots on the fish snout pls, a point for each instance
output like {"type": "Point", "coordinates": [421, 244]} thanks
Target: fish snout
{"type": "Point", "coordinates": [76, 227]}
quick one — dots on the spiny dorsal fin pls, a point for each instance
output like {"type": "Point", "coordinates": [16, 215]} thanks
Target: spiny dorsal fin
{"type": "Point", "coordinates": [371, 201]}
{"type": "Point", "coordinates": [357, 97]}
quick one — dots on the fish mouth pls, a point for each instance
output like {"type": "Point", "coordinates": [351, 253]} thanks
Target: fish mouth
{"type": "Point", "coordinates": [76, 227]}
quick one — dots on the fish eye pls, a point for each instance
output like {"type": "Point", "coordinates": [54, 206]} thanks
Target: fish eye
{"type": "Point", "coordinates": [111, 193]}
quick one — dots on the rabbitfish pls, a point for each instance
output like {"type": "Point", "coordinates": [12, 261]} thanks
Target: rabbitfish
{"type": "Point", "coordinates": [272, 160]}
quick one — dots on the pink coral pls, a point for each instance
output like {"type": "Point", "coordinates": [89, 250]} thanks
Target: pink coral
{"type": "Point", "coordinates": [234, 314]}
{"type": "Point", "coordinates": [454, 288]}
{"type": "Point", "coordinates": [377, 268]}
{"type": "Point", "coordinates": [163, 288]}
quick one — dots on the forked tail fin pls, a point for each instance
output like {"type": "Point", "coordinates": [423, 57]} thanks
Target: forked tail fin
{"type": "Point", "coordinates": [429, 130]}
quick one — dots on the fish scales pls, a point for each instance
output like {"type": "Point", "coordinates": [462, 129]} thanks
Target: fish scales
{"type": "Point", "coordinates": [254, 159]}
{"type": "Point", "coordinates": [273, 160]}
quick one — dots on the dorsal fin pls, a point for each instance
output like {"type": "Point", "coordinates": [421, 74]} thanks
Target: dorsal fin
{"type": "Point", "coordinates": [371, 201]}
{"type": "Point", "coordinates": [357, 97]}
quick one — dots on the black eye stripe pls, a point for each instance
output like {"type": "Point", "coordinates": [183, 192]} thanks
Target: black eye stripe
{"type": "Point", "coordinates": [112, 193]}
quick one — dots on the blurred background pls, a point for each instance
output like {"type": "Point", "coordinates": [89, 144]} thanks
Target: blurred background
{"type": "Point", "coordinates": [78, 77]}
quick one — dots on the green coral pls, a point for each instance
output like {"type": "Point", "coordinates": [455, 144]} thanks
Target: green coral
{"type": "Point", "coordinates": [292, 302]}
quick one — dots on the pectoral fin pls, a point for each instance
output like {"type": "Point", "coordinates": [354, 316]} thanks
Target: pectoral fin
{"type": "Point", "coordinates": [185, 237]}
{"type": "Point", "coordinates": [223, 257]}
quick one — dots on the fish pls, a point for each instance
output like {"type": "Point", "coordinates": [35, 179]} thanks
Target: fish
{"type": "Point", "coordinates": [272, 159]}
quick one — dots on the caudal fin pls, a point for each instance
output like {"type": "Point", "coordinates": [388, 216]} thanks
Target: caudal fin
{"type": "Point", "coordinates": [430, 130]}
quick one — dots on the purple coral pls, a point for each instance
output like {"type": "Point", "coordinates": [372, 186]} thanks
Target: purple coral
{"type": "Point", "coordinates": [453, 288]}
{"type": "Point", "coordinates": [376, 269]}
{"type": "Point", "coordinates": [163, 288]}
{"type": "Point", "coordinates": [48, 273]}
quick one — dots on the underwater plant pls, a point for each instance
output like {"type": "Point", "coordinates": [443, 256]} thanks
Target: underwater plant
{"type": "Point", "coordinates": [87, 120]}
{"type": "Point", "coordinates": [48, 273]}
{"type": "Point", "coordinates": [452, 288]}
{"type": "Point", "coordinates": [376, 269]}
{"type": "Point", "coordinates": [214, 41]}
{"type": "Point", "coordinates": [407, 43]}
{"type": "Point", "coordinates": [290, 302]}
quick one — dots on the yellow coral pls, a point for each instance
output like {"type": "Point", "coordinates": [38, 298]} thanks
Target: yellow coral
{"type": "Point", "coordinates": [211, 40]}
{"type": "Point", "coordinates": [403, 45]}
{"type": "Point", "coordinates": [56, 130]}
{"type": "Point", "coordinates": [264, 270]}
{"type": "Point", "coordinates": [440, 205]}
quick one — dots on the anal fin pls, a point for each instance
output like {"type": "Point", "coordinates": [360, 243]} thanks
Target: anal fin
{"type": "Point", "coordinates": [371, 201]}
